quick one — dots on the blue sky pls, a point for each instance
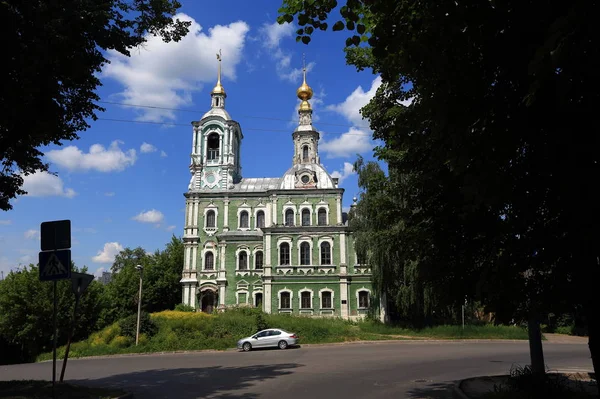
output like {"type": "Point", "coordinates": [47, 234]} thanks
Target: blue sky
{"type": "Point", "coordinates": [122, 183]}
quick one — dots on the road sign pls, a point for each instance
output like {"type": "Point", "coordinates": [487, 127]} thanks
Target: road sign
{"type": "Point", "coordinates": [55, 235]}
{"type": "Point", "coordinates": [80, 282]}
{"type": "Point", "coordinates": [55, 265]}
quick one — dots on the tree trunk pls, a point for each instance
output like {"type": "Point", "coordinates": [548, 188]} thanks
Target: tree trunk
{"type": "Point", "coordinates": [593, 322]}
{"type": "Point", "coordinates": [536, 351]}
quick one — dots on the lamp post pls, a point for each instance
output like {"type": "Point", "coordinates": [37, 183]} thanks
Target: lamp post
{"type": "Point", "coordinates": [137, 333]}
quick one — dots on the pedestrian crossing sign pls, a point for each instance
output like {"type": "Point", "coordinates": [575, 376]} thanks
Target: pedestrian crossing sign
{"type": "Point", "coordinates": [55, 265]}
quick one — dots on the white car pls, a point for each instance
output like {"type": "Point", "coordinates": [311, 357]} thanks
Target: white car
{"type": "Point", "coordinates": [272, 337]}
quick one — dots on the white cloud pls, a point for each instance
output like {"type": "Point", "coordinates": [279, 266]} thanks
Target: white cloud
{"type": "Point", "coordinates": [170, 228]}
{"type": "Point", "coordinates": [109, 194]}
{"type": "Point", "coordinates": [44, 184]}
{"type": "Point", "coordinates": [108, 253]}
{"type": "Point", "coordinates": [163, 154]}
{"type": "Point", "coordinates": [146, 148]}
{"type": "Point", "coordinates": [32, 234]}
{"type": "Point", "coordinates": [274, 34]}
{"type": "Point", "coordinates": [348, 170]}
{"type": "Point", "coordinates": [354, 141]}
{"type": "Point", "coordinates": [163, 74]}
{"type": "Point", "coordinates": [350, 108]}
{"type": "Point", "coordinates": [99, 158]}
{"type": "Point", "coordinates": [99, 271]}
{"type": "Point", "coordinates": [151, 216]}
{"type": "Point", "coordinates": [5, 222]}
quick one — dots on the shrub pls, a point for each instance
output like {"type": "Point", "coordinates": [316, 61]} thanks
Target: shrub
{"type": "Point", "coordinates": [121, 341]}
{"type": "Point", "coordinates": [128, 325]}
{"type": "Point", "coordinates": [184, 308]}
{"type": "Point", "coordinates": [565, 330]}
{"type": "Point", "coordinates": [261, 323]}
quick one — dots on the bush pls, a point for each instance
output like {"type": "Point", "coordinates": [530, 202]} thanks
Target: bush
{"type": "Point", "coordinates": [184, 308]}
{"type": "Point", "coordinates": [128, 325]}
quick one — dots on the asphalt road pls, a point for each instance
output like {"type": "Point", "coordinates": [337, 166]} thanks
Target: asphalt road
{"type": "Point", "coordinates": [367, 370]}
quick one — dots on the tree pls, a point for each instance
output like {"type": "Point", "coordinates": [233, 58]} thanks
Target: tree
{"type": "Point", "coordinates": [493, 158]}
{"type": "Point", "coordinates": [26, 307]}
{"type": "Point", "coordinates": [53, 52]}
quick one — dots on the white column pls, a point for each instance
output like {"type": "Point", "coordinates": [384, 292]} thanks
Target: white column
{"type": "Point", "coordinates": [274, 213]}
{"type": "Point", "coordinates": [222, 279]}
{"type": "Point", "coordinates": [186, 294]}
{"type": "Point", "coordinates": [226, 215]}
{"type": "Point", "coordinates": [193, 289]}
{"type": "Point", "coordinates": [344, 297]}
{"type": "Point", "coordinates": [267, 275]}
{"type": "Point", "coordinates": [194, 140]}
{"type": "Point", "coordinates": [194, 258]}
{"type": "Point", "coordinates": [196, 206]}
{"type": "Point", "coordinates": [268, 215]}
{"type": "Point", "coordinates": [343, 252]}
{"type": "Point", "coordinates": [338, 205]}
{"type": "Point", "coordinates": [188, 256]}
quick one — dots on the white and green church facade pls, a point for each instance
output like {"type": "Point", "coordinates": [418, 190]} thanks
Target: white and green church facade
{"type": "Point", "coordinates": [281, 244]}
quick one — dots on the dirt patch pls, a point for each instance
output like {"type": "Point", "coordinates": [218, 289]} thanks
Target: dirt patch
{"type": "Point", "coordinates": [565, 339]}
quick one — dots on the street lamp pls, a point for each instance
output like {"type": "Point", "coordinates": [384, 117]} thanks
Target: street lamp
{"type": "Point", "coordinates": [137, 333]}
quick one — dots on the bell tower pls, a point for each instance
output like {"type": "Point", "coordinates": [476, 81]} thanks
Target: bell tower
{"type": "Point", "coordinates": [215, 163]}
{"type": "Point", "coordinates": [306, 138]}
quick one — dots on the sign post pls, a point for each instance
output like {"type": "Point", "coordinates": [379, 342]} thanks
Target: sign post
{"type": "Point", "coordinates": [79, 283]}
{"type": "Point", "coordinates": [54, 265]}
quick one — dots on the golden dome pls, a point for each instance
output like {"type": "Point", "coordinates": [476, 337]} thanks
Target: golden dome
{"type": "Point", "coordinates": [304, 92]}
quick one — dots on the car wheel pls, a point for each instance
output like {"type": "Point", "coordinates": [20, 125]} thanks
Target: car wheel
{"type": "Point", "coordinates": [283, 344]}
{"type": "Point", "coordinates": [246, 347]}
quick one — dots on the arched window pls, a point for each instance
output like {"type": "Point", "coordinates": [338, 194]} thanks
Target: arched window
{"type": "Point", "coordinates": [322, 217]}
{"type": "Point", "coordinates": [210, 219]}
{"type": "Point", "coordinates": [243, 261]}
{"type": "Point", "coordinates": [284, 300]}
{"type": "Point", "coordinates": [209, 261]}
{"type": "Point", "coordinates": [212, 152]}
{"type": "Point", "coordinates": [305, 217]}
{"type": "Point", "coordinates": [258, 259]}
{"type": "Point", "coordinates": [305, 300]}
{"type": "Point", "coordinates": [325, 253]}
{"type": "Point", "coordinates": [260, 219]}
{"type": "Point", "coordinates": [363, 299]}
{"type": "Point", "coordinates": [305, 253]}
{"type": "Point", "coordinates": [305, 153]}
{"type": "Point", "coordinates": [326, 302]}
{"type": "Point", "coordinates": [289, 217]}
{"type": "Point", "coordinates": [284, 254]}
{"type": "Point", "coordinates": [244, 220]}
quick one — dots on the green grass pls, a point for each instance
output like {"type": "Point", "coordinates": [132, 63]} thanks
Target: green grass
{"type": "Point", "coordinates": [35, 389]}
{"type": "Point", "coordinates": [181, 331]}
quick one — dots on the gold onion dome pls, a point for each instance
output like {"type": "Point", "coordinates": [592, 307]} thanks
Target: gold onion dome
{"type": "Point", "coordinates": [304, 93]}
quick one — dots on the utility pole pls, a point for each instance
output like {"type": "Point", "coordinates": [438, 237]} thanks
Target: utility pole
{"type": "Point", "coordinates": [137, 333]}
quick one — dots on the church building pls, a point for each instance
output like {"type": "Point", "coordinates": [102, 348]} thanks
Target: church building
{"type": "Point", "coordinates": [282, 243]}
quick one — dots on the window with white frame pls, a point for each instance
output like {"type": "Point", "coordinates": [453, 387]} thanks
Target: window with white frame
{"type": "Point", "coordinates": [305, 253]}
{"type": "Point", "coordinates": [322, 217]}
{"type": "Point", "coordinates": [258, 260]}
{"type": "Point", "coordinates": [209, 261]}
{"type": "Point", "coordinates": [305, 217]}
{"type": "Point", "coordinates": [211, 219]}
{"type": "Point", "coordinates": [285, 300]}
{"type": "Point", "coordinates": [305, 153]}
{"type": "Point", "coordinates": [284, 253]}
{"type": "Point", "coordinates": [243, 260]}
{"type": "Point", "coordinates": [325, 253]}
{"type": "Point", "coordinates": [244, 220]}
{"type": "Point", "coordinates": [326, 300]}
{"type": "Point", "coordinates": [363, 299]}
{"type": "Point", "coordinates": [260, 220]}
{"type": "Point", "coordinates": [305, 300]}
{"type": "Point", "coordinates": [212, 151]}
{"type": "Point", "coordinates": [289, 217]}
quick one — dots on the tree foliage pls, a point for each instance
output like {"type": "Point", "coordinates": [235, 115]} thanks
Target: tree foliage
{"type": "Point", "coordinates": [54, 50]}
{"type": "Point", "coordinates": [494, 157]}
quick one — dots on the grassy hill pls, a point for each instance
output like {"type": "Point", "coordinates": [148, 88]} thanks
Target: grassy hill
{"type": "Point", "coordinates": [181, 331]}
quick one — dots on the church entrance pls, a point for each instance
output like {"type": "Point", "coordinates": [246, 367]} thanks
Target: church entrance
{"type": "Point", "coordinates": [258, 300]}
{"type": "Point", "coordinates": [208, 301]}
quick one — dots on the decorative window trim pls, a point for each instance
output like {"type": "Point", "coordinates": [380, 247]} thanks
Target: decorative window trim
{"type": "Point", "coordinates": [211, 230]}
{"type": "Point", "coordinates": [257, 291]}
{"type": "Point", "coordinates": [280, 241]}
{"type": "Point", "coordinates": [310, 213]}
{"type": "Point", "coordinates": [237, 296]}
{"type": "Point", "coordinates": [279, 298]}
{"type": "Point", "coordinates": [321, 291]}
{"type": "Point", "coordinates": [242, 285]}
{"type": "Point", "coordinates": [258, 249]}
{"type": "Point", "coordinates": [256, 210]}
{"type": "Point", "coordinates": [326, 208]}
{"type": "Point", "coordinates": [310, 244]}
{"type": "Point", "coordinates": [206, 134]}
{"type": "Point", "coordinates": [321, 241]}
{"type": "Point", "coordinates": [284, 210]}
{"type": "Point", "coordinates": [204, 254]}
{"type": "Point", "coordinates": [241, 209]}
{"type": "Point", "coordinates": [363, 289]}
{"type": "Point", "coordinates": [312, 294]}
{"type": "Point", "coordinates": [238, 251]}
